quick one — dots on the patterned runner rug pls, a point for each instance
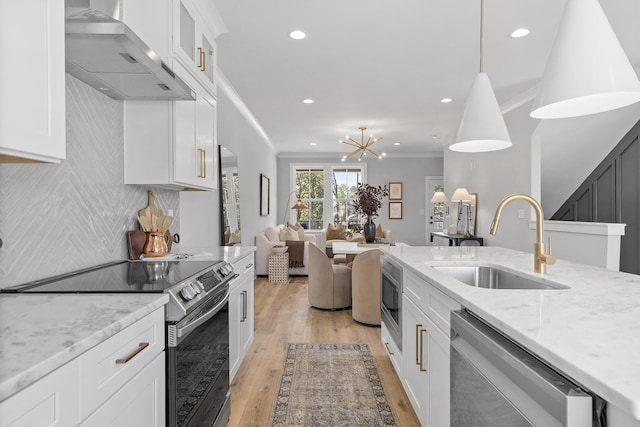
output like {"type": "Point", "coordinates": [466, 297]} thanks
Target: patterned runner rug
{"type": "Point", "coordinates": [331, 385]}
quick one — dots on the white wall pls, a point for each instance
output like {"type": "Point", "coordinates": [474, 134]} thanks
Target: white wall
{"type": "Point", "coordinates": [200, 225]}
{"type": "Point", "coordinates": [410, 171]}
{"type": "Point", "coordinates": [495, 175]}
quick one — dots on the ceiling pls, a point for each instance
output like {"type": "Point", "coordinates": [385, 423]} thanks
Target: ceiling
{"type": "Point", "coordinates": [386, 65]}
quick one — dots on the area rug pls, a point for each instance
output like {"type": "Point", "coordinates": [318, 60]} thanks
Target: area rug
{"type": "Point", "coordinates": [331, 385]}
{"type": "Point", "coordinates": [298, 279]}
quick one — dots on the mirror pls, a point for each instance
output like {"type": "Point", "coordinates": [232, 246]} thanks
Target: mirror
{"type": "Point", "coordinates": [229, 198]}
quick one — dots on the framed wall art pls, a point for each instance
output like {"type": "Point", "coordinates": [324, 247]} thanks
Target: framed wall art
{"type": "Point", "coordinates": [395, 191]}
{"type": "Point", "coordinates": [264, 195]}
{"type": "Point", "coordinates": [395, 210]}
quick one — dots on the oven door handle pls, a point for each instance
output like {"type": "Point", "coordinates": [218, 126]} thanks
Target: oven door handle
{"type": "Point", "coordinates": [184, 330]}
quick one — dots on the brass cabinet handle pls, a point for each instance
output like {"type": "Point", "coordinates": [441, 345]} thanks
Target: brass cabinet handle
{"type": "Point", "coordinates": [141, 347]}
{"type": "Point", "coordinates": [200, 57]}
{"type": "Point", "coordinates": [418, 326]}
{"type": "Point", "coordinates": [204, 61]}
{"type": "Point", "coordinates": [422, 369]}
{"type": "Point", "coordinates": [388, 349]}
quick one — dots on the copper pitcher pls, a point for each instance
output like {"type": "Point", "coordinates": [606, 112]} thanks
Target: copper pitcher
{"type": "Point", "coordinates": [156, 244]}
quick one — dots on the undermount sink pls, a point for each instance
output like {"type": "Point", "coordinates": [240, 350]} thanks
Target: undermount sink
{"type": "Point", "coordinates": [494, 278]}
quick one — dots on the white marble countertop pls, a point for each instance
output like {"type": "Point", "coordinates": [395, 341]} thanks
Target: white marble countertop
{"type": "Point", "coordinates": [228, 253]}
{"type": "Point", "coordinates": [39, 333]}
{"type": "Point", "coordinates": [589, 332]}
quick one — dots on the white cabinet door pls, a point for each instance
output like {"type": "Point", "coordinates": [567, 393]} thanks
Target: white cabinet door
{"type": "Point", "coordinates": [235, 317]}
{"type": "Point", "coordinates": [32, 81]}
{"type": "Point", "coordinates": [416, 359]}
{"type": "Point", "coordinates": [246, 336]}
{"type": "Point", "coordinates": [438, 371]}
{"type": "Point", "coordinates": [172, 143]}
{"type": "Point", "coordinates": [194, 45]}
{"type": "Point", "coordinates": [140, 402]}
{"type": "Point", "coordinates": [52, 401]}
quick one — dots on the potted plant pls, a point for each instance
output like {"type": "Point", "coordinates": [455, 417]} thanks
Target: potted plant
{"type": "Point", "coordinates": [367, 202]}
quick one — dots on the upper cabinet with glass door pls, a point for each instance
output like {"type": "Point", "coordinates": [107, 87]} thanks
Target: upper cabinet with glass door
{"type": "Point", "coordinates": [194, 43]}
{"type": "Point", "coordinates": [188, 36]}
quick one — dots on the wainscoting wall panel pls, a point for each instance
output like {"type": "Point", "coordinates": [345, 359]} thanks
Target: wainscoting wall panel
{"type": "Point", "coordinates": [59, 218]}
{"type": "Point", "coordinates": [611, 193]}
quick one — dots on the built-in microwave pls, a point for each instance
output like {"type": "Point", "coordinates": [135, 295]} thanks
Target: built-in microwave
{"type": "Point", "coordinates": [391, 299]}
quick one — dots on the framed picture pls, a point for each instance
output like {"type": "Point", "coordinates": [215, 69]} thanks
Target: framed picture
{"type": "Point", "coordinates": [395, 191]}
{"type": "Point", "coordinates": [395, 210]}
{"type": "Point", "coordinates": [264, 195]}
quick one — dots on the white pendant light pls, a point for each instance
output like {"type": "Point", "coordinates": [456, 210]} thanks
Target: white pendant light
{"type": "Point", "coordinates": [482, 126]}
{"type": "Point", "coordinates": [587, 71]}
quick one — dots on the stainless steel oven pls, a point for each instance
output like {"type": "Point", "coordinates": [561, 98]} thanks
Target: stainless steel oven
{"type": "Point", "coordinates": [496, 383]}
{"type": "Point", "coordinates": [198, 364]}
{"type": "Point", "coordinates": [391, 299]}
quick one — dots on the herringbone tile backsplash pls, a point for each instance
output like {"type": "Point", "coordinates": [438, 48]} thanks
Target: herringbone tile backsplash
{"type": "Point", "coordinates": [59, 218]}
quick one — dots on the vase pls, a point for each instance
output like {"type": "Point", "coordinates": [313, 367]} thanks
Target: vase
{"type": "Point", "coordinates": [369, 230]}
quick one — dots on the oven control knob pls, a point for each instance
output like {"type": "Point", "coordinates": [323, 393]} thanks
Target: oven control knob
{"type": "Point", "coordinates": [188, 293]}
{"type": "Point", "coordinates": [197, 287]}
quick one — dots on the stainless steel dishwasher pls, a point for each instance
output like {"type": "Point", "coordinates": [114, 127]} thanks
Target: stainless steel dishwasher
{"type": "Point", "coordinates": [496, 383]}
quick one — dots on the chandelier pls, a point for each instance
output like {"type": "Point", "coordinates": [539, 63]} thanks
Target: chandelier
{"type": "Point", "coordinates": [362, 147]}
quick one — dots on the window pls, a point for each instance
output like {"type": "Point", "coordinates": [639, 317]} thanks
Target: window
{"type": "Point", "coordinates": [345, 184]}
{"type": "Point", "coordinates": [310, 189]}
{"type": "Point", "coordinates": [328, 192]}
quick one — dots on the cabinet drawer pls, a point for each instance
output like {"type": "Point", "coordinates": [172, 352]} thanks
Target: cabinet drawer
{"type": "Point", "coordinates": [110, 365]}
{"type": "Point", "coordinates": [433, 302]}
{"type": "Point", "coordinates": [243, 267]}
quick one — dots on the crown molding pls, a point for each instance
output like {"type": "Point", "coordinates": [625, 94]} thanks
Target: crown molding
{"type": "Point", "coordinates": [225, 85]}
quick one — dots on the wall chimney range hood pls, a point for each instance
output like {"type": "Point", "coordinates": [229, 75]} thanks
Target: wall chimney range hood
{"type": "Point", "coordinates": [104, 53]}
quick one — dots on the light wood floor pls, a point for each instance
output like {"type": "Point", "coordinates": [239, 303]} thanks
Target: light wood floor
{"type": "Point", "coordinates": [283, 315]}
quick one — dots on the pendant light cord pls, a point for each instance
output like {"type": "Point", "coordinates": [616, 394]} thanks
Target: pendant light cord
{"type": "Point", "coordinates": [481, 30]}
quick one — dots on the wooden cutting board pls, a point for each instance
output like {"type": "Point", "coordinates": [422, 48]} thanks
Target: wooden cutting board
{"type": "Point", "coordinates": [135, 241]}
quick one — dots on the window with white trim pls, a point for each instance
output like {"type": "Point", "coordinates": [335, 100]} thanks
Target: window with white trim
{"type": "Point", "coordinates": [327, 191]}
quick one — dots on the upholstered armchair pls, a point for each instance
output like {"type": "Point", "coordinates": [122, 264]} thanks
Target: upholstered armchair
{"type": "Point", "coordinates": [365, 287]}
{"type": "Point", "coordinates": [329, 284]}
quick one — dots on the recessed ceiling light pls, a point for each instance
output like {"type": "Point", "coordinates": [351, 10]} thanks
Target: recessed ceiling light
{"type": "Point", "coordinates": [308, 101]}
{"type": "Point", "coordinates": [396, 143]}
{"type": "Point", "coordinates": [446, 100]}
{"type": "Point", "coordinates": [297, 35]}
{"type": "Point", "coordinates": [313, 143]}
{"type": "Point", "coordinates": [434, 136]}
{"type": "Point", "coordinates": [520, 32]}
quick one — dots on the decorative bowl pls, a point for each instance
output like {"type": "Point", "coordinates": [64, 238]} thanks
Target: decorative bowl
{"type": "Point", "coordinates": [279, 249]}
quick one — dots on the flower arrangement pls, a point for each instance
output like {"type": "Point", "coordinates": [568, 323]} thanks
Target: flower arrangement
{"type": "Point", "coordinates": [369, 198]}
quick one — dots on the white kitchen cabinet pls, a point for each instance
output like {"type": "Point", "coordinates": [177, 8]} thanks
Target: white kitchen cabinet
{"type": "Point", "coordinates": [241, 314]}
{"type": "Point", "coordinates": [32, 81]}
{"type": "Point", "coordinates": [426, 369]}
{"type": "Point", "coordinates": [121, 381]}
{"type": "Point", "coordinates": [172, 144]}
{"type": "Point", "coordinates": [52, 401]}
{"type": "Point", "coordinates": [187, 35]}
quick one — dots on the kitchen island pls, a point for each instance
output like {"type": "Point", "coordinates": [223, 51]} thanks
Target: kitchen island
{"type": "Point", "coordinates": [586, 331]}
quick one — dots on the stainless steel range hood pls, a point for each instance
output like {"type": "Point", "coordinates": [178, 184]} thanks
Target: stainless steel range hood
{"type": "Point", "coordinates": [106, 54]}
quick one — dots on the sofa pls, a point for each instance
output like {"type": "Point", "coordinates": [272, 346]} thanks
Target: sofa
{"type": "Point", "coordinates": [326, 244]}
{"type": "Point", "coordinates": [266, 240]}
